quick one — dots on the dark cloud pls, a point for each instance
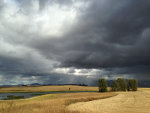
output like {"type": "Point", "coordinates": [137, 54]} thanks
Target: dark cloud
{"type": "Point", "coordinates": [112, 36]}
{"type": "Point", "coordinates": [109, 34]}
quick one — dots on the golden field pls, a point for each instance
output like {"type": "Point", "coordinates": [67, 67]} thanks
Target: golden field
{"type": "Point", "coordinates": [124, 102]}
{"type": "Point", "coordinates": [50, 103]}
{"type": "Point", "coordinates": [47, 88]}
{"type": "Point", "coordinates": [85, 102]}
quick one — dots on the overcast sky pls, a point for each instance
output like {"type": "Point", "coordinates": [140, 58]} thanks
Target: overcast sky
{"type": "Point", "coordinates": [73, 41]}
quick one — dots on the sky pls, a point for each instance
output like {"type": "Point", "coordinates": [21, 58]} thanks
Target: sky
{"type": "Point", "coordinates": [73, 41]}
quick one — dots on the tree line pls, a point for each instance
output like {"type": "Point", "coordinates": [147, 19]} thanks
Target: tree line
{"type": "Point", "coordinates": [118, 85]}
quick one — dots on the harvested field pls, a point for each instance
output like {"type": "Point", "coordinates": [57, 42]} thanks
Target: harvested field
{"type": "Point", "coordinates": [124, 102]}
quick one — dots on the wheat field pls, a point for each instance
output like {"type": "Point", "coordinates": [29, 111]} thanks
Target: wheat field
{"type": "Point", "coordinates": [47, 88]}
{"type": "Point", "coordinates": [124, 102]}
{"type": "Point", "coordinates": [50, 103]}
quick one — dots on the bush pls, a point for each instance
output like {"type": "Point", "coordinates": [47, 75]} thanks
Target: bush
{"type": "Point", "coordinates": [12, 97]}
{"type": "Point", "coordinates": [114, 85]}
{"type": "Point", "coordinates": [132, 84]}
{"type": "Point", "coordinates": [121, 84]}
{"type": "Point", "coordinates": [102, 84]}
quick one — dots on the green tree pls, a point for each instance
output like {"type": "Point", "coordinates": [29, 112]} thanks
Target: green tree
{"type": "Point", "coordinates": [114, 85]}
{"type": "Point", "coordinates": [121, 84]}
{"type": "Point", "coordinates": [102, 84]}
{"type": "Point", "coordinates": [132, 84]}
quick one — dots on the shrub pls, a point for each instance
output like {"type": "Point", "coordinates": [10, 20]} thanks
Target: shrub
{"type": "Point", "coordinates": [132, 84]}
{"type": "Point", "coordinates": [12, 97]}
{"type": "Point", "coordinates": [121, 84]}
{"type": "Point", "coordinates": [114, 85]}
{"type": "Point", "coordinates": [102, 84]}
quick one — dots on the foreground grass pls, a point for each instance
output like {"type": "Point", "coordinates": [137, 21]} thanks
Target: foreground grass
{"type": "Point", "coordinates": [51, 103]}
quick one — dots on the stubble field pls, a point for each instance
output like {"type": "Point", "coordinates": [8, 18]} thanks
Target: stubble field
{"type": "Point", "coordinates": [124, 102]}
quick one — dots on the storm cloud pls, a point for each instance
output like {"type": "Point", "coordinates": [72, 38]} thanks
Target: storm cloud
{"type": "Point", "coordinates": [73, 41]}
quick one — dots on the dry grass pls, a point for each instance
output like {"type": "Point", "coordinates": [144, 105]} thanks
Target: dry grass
{"type": "Point", "coordinates": [124, 102]}
{"type": "Point", "coordinates": [47, 88]}
{"type": "Point", "coordinates": [51, 103]}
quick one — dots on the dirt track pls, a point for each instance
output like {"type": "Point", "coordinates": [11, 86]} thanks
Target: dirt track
{"type": "Point", "coordinates": [127, 102]}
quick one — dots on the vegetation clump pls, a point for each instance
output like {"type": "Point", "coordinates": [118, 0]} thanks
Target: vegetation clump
{"type": "Point", "coordinates": [121, 84]}
{"type": "Point", "coordinates": [132, 85]}
{"type": "Point", "coordinates": [12, 97]}
{"type": "Point", "coordinates": [102, 83]}
{"type": "Point", "coordinates": [118, 85]}
{"type": "Point", "coordinates": [114, 85]}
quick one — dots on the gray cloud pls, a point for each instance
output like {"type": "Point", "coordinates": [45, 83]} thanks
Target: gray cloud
{"type": "Point", "coordinates": [112, 36]}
